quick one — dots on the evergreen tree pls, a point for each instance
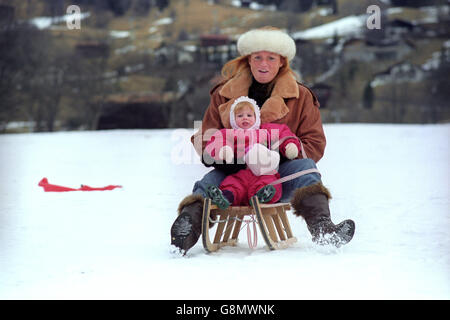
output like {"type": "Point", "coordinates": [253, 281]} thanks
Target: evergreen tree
{"type": "Point", "coordinates": [368, 96]}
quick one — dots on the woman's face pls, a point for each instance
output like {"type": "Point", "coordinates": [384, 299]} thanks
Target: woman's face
{"type": "Point", "coordinates": [265, 65]}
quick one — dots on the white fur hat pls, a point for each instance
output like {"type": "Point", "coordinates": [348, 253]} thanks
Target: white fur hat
{"type": "Point", "coordinates": [255, 108]}
{"type": "Point", "coordinates": [266, 39]}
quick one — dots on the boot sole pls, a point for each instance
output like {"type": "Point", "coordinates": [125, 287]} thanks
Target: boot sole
{"type": "Point", "coordinates": [181, 233]}
{"type": "Point", "coordinates": [346, 231]}
{"type": "Point", "coordinates": [265, 194]}
{"type": "Point", "coordinates": [217, 197]}
{"type": "Point", "coordinates": [342, 235]}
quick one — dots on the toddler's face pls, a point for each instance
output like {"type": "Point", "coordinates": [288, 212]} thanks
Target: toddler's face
{"type": "Point", "coordinates": [245, 118]}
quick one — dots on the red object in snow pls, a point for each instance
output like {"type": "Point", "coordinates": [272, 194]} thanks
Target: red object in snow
{"type": "Point", "coordinates": [55, 188]}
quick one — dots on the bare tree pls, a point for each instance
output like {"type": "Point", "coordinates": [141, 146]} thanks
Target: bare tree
{"type": "Point", "coordinates": [23, 63]}
{"type": "Point", "coordinates": [33, 49]}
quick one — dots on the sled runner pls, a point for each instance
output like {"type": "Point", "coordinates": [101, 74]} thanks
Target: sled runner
{"type": "Point", "coordinates": [272, 220]}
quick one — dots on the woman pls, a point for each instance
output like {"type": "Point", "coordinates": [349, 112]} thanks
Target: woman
{"type": "Point", "coordinates": [262, 72]}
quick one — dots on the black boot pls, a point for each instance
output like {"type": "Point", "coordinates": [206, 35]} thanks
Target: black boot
{"type": "Point", "coordinates": [187, 228]}
{"type": "Point", "coordinates": [311, 203]}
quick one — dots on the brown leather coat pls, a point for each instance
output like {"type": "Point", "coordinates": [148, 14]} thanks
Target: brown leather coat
{"type": "Point", "coordinates": [290, 103]}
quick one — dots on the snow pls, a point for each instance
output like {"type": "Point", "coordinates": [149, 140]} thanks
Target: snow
{"type": "Point", "coordinates": [152, 29]}
{"type": "Point", "coordinates": [125, 49]}
{"type": "Point", "coordinates": [433, 14]}
{"type": "Point", "coordinates": [47, 22]}
{"type": "Point", "coordinates": [119, 34]}
{"type": "Point", "coordinates": [393, 180]}
{"type": "Point", "coordinates": [28, 125]}
{"type": "Point", "coordinates": [351, 25]}
{"type": "Point", "coordinates": [163, 21]}
{"type": "Point", "coordinates": [257, 6]}
{"type": "Point", "coordinates": [253, 5]}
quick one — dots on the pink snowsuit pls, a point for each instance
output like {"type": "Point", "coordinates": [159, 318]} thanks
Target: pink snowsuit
{"type": "Point", "coordinates": [244, 184]}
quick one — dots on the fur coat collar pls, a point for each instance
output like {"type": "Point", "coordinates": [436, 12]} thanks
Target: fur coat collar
{"type": "Point", "coordinates": [273, 109]}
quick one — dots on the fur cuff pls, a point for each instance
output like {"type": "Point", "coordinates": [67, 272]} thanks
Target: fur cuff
{"type": "Point", "coordinates": [190, 199]}
{"type": "Point", "coordinates": [305, 192]}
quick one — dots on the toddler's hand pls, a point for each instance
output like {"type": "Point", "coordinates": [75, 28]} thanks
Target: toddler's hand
{"type": "Point", "coordinates": [226, 153]}
{"type": "Point", "coordinates": [291, 151]}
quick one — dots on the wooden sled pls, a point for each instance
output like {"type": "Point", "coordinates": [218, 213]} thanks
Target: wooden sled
{"type": "Point", "coordinates": [272, 220]}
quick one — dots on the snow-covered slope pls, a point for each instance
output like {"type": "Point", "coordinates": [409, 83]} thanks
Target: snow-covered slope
{"type": "Point", "coordinates": [393, 180]}
{"type": "Point", "coordinates": [351, 25]}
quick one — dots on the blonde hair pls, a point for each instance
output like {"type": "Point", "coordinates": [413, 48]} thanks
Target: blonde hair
{"type": "Point", "coordinates": [243, 105]}
{"type": "Point", "coordinates": [241, 65]}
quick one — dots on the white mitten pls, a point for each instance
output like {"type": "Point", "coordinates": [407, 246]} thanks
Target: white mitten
{"type": "Point", "coordinates": [226, 153]}
{"type": "Point", "coordinates": [291, 151]}
{"type": "Point", "coordinates": [262, 161]}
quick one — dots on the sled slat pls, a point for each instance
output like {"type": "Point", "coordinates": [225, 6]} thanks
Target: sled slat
{"type": "Point", "coordinates": [269, 223]}
{"type": "Point", "coordinates": [209, 247]}
{"type": "Point", "coordinates": [277, 221]}
{"type": "Point", "coordinates": [284, 219]}
{"type": "Point", "coordinates": [237, 227]}
{"type": "Point", "coordinates": [229, 227]}
{"type": "Point", "coordinates": [220, 227]}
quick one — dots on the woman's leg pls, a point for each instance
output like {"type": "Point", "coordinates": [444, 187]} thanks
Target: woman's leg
{"type": "Point", "coordinates": [309, 199]}
{"type": "Point", "coordinates": [293, 166]}
{"type": "Point", "coordinates": [214, 177]}
{"type": "Point", "coordinates": [187, 227]}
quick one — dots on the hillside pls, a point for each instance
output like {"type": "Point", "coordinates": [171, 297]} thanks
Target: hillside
{"type": "Point", "coordinates": [160, 61]}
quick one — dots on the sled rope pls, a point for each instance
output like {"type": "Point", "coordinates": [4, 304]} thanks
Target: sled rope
{"type": "Point", "coordinates": [295, 175]}
{"type": "Point", "coordinates": [251, 244]}
{"type": "Point", "coordinates": [254, 243]}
